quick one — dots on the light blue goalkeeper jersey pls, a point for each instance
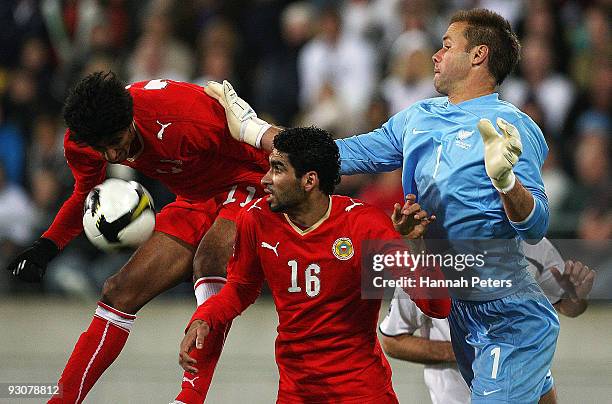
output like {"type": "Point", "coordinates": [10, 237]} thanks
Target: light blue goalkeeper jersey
{"type": "Point", "coordinates": [442, 154]}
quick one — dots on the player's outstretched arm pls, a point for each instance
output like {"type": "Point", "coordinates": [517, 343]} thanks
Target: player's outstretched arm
{"type": "Point", "coordinates": [244, 125]}
{"type": "Point", "coordinates": [88, 169]}
{"type": "Point", "coordinates": [416, 349]}
{"type": "Point", "coordinates": [31, 264]}
{"type": "Point", "coordinates": [577, 281]}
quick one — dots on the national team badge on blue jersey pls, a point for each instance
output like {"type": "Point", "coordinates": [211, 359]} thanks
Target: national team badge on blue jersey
{"type": "Point", "coordinates": [343, 248]}
{"type": "Point", "coordinates": [461, 138]}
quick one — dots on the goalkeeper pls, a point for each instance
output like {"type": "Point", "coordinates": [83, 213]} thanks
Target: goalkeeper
{"type": "Point", "coordinates": [467, 170]}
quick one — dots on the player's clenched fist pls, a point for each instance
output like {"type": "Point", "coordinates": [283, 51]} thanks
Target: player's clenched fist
{"type": "Point", "coordinates": [194, 338]}
{"type": "Point", "coordinates": [577, 279]}
{"type": "Point", "coordinates": [501, 152]}
{"type": "Point", "coordinates": [244, 125]}
{"type": "Point", "coordinates": [31, 265]}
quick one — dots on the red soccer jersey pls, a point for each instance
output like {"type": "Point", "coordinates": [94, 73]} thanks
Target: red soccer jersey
{"type": "Point", "coordinates": [186, 146]}
{"type": "Point", "coordinates": [327, 348]}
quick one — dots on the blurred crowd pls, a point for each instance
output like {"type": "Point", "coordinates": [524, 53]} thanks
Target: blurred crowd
{"type": "Point", "coordinates": [343, 65]}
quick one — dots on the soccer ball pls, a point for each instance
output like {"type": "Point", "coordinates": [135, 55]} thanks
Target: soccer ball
{"type": "Point", "coordinates": [118, 214]}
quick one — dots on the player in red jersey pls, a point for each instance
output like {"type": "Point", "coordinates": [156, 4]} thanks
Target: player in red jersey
{"type": "Point", "coordinates": [175, 133]}
{"type": "Point", "coordinates": [307, 244]}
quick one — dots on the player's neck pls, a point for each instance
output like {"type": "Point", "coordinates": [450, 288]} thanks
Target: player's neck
{"type": "Point", "coordinates": [311, 211]}
{"type": "Point", "coordinates": [469, 89]}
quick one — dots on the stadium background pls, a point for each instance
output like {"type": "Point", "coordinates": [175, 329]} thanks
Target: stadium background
{"type": "Point", "coordinates": [279, 56]}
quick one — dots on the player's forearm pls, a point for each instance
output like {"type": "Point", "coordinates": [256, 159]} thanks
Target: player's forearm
{"type": "Point", "coordinates": [527, 213]}
{"type": "Point", "coordinates": [228, 304]}
{"type": "Point", "coordinates": [571, 308]}
{"type": "Point", "coordinates": [68, 222]}
{"type": "Point", "coordinates": [518, 202]}
{"type": "Point", "coordinates": [417, 349]}
{"type": "Point", "coordinates": [268, 138]}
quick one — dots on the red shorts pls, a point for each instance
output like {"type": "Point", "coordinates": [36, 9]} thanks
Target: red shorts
{"type": "Point", "coordinates": [190, 220]}
{"type": "Point", "coordinates": [387, 396]}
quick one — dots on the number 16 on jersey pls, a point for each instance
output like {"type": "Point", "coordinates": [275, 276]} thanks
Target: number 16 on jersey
{"type": "Point", "coordinates": [312, 282]}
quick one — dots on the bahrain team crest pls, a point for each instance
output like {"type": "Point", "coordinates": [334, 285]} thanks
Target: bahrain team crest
{"type": "Point", "coordinates": [343, 248]}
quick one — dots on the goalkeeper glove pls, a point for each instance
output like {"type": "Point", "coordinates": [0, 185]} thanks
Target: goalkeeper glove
{"type": "Point", "coordinates": [501, 152]}
{"type": "Point", "coordinates": [244, 125]}
{"type": "Point", "coordinates": [31, 265]}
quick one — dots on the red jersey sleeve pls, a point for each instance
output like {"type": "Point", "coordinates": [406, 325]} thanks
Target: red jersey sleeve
{"type": "Point", "coordinates": [434, 303]}
{"type": "Point", "coordinates": [88, 170]}
{"type": "Point", "coordinates": [244, 278]}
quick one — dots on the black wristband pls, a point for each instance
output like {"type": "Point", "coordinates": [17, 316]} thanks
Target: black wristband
{"type": "Point", "coordinates": [46, 248]}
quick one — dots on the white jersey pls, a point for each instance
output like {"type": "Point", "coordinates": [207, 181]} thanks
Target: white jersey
{"type": "Point", "coordinates": [445, 383]}
{"type": "Point", "coordinates": [542, 257]}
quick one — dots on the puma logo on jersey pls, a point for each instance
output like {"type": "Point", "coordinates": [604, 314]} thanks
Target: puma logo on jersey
{"type": "Point", "coordinates": [269, 247]}
{"type": "Point", "coordinates": [160, 134]}
{"type": "Point", "coordinates": [349, 208]}
{"type": "Point", "coordinates": [192, 381]}
{"type": "Point", "coordinates": [254, 205]}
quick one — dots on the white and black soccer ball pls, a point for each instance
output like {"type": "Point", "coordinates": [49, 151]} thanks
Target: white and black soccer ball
{"type": "Point", "coordinates": [118, 214]}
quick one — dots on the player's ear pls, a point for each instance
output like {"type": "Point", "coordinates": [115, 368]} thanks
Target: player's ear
{"type": "Point", "coordinates": [479, 54]}
{"type": "Point", "coordinates": [310, 180]}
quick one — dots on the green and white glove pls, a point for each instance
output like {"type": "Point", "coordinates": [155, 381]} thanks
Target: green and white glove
{"type": "Point", "coordinates": [501, 152]}
{"type": "Point", "coordinates": [244, 125]}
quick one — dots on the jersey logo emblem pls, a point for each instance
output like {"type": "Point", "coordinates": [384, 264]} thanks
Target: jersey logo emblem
{"type": "Point", "coordinates": [349, 208]}
{"type": "Point", "coordinates": [160, 134]}
{"type": "Point", "coordinates": [254, 205]}
{"type": "Point", "coordinates": [343, 248]}
{"type": "Point", "coordinates": [461, 136]}
{"type": "Point", "coordinates": [192, 381]}
{"type": "Point", "coordinates": [269, 247]}
{"type": "Point", "coordinates": [486, 393]}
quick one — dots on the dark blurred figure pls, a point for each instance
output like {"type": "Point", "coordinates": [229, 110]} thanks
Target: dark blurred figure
{"type": "Point", "coordinates": [410, 72]}
{"type": "Point", "coordinates": [276, 81]}
{"type": "Point", "coordinates": [36, 58]}
{"type": "Point", "coordinates": [551, 88]}
{"type": "Point", "coordinates": [50, 179]}
{"type": "Point", "coordinates": [17, 216]}
{"type": "Point", "coordinates": [542, 20]}
{"type": "Point", "coordinates": [12, 151]}
{"type": "Point", "coordinates": [158, 52]}
{"type": "Point", "coordinates": [21, 101]}
{"type": "Point", "coordinates": [218, 47]}
{"type": "Point", "coordinates": [338, 68]}
{"type": "Point", "coordinates": [19, 19]}
{"type": "Point", "coordinates": [590, 41]}
{"type": "Point", "coordinates": [591, 110]}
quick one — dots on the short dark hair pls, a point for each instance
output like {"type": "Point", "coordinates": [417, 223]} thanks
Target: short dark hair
{"type": "Point", "coordinates": [486, 27]}
{"type": "Point", "coordinates": [311, 149]}
{"type": "Point", "coordinates": [97, 108]}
